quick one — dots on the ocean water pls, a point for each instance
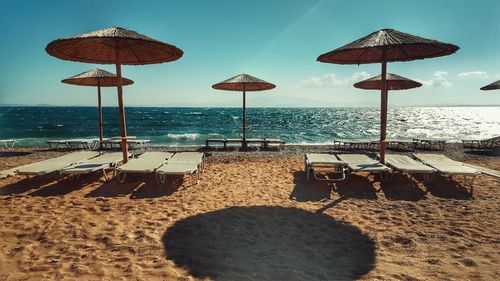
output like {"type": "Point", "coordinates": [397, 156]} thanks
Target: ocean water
{"type": "Point", "coordinates": [191, 126]}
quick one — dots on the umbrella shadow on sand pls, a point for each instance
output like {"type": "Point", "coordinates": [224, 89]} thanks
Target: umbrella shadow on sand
{"type": "Point", "coordinates": [268, 243]}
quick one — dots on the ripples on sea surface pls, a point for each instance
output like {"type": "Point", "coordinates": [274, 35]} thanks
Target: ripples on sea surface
{"type": "Point", "coordinates": [191, 126]}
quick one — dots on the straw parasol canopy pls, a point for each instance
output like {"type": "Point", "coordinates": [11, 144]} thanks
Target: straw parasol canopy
{"type": "Point", "coordinates": [394, 82]}
{"type": "Point", "coordinates": [97, 78]}
{"type": "Point", "coordinates": [387, 45]}
{"type": "Point", "coordinates": [244, 83]}
{"type": "Point", "coordinates": [492, 86]}
{"type": "Point", "coordinates": [109, 45]}
{"type": "Point", "coordinates": [117, 46]}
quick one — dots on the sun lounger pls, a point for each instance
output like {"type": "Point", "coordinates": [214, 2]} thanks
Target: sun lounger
{"type": "Point", "coordinates": [313, 163]}
{"type": "Point", "coordinates": [146, 163]}
{"type": "Point", "coordinates": [139, 144]}
{"type": "Point", "coordinates": [55, 144]}
{"type": "Point", "coordinates": [355, 144]}
{"type": "Point", "coordinates": [405, 164]}
{"type": "Point", "coordinates": [449, 167]}
{"type": "Point", "coordinates": [99, 163]}
{"type": "Point", "coordinates": [363, 163]}
{"type": "Point", "coordinates": [8, 143]}
{"type": "Point", "coordinates": [429, 144]}
{"type": "Point", "coordinates": [182, 163]}
{"type": "Point", "coordinates": [224, 141]}
{"type": "Point", "coordinates": [72, 143]}
{"type": "Point", "coordinates": [55, 164]}
{"type": "Point", "coordinates": [486, 171]}
{"type": "Point", "coordinates": [490, 143]}
{"type": "Point", "coordinates": [257, 141]}
{"type": "Point", "coordinates": [82, 143]}
{"type": "Point", "coordinates": [189, 157]}
{"type": "Point", "coordinates": [273, 142]}
{"type": "Point", "coordinates": [134, 144]}
{"type": "Point", "coordinates": [177, 169]}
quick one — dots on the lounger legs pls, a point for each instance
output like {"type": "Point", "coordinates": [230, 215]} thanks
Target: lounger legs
{"type": "Point", "coordinates": [121, 177]}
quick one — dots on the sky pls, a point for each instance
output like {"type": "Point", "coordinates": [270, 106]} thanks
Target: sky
{"type": "Point", "coordinates": [277, 41]}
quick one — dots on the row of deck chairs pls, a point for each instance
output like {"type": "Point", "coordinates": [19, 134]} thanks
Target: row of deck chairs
{"type": "Point", "coordinates": [264, 143]}
{"type": "Point", "coordinates": [94, 143]}
{"type": "Point", "coordinates": [163, 164]}
{"type": "Point", "coordinates": [424, 144]}
{"type": "Point", "coordinates": [490, 143]}
{"type": "Point", "coordinates": [85, 162]}
{"type": "Point", "coordinates": [340, 165]}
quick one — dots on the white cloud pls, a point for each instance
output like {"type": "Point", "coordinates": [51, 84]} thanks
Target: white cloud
{"type": "Point", "coordinates": [331, 80]}
{"type": "Point", "coordinates": [439, 80]}
{"type": "Point", "coordinates": [481, 74]}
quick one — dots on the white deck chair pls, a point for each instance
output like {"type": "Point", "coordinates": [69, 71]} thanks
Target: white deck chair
{"type": "Point", "coordinates": [189, 157]}
{"type": "Point", "coordinates": [314, 162]}
{"type": "Point", "coordinates": [54, 144]}
{"type": "Point", "coordinates": [146, 163]}
{"type": "Point", "coordinates": [363, 163]}
{"type": "Point", "coordinates": [82, 143]}
{"type": "Point", "coordinates": [177, 169]}
{"type": "Point", "coordinates": [490, 143]}
{"type": "Point", "coordinates": [55, 164]}
{"type": "Point", "coordinates": [99, 163]}
{"type": "Point", "coordinates": [8, 143]}
{"type": "Point", "coordinates": [182, 163]}
{"type": "Point", "coordinates": [405, 164]}
{"type": "Point", "coordinates": [449, 167]}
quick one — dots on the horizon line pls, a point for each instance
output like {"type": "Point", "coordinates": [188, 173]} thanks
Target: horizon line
{"type": "Point", "coordinates": [194, 106]}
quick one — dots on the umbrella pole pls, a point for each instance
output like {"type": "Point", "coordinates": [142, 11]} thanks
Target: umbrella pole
{"type": "Point", "coordinates": [101, 133]}
{"type": "Point", "coordinates": [383, 112]}
{"type": "Point", "coordinates": [244, 120]}
{"type": "Point", "coordinates": [122, 108]}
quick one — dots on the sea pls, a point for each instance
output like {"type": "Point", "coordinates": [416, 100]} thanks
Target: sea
{"type": "Point", "coordinates": [170, 126]}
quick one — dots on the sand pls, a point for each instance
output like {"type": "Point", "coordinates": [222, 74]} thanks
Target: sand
{"type": "Point", "coordinates": [251, 217]}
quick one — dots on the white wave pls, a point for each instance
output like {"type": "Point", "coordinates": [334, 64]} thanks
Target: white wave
{"type": "Point", "coordinates": [187, 136]}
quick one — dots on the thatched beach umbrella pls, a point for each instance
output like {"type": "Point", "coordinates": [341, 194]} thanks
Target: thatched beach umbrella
{"type": "Point", "coordinates": [492, 86]}
{"type": "Point", "coordinates": [384, 46]}
{"type": "Point", "coordinates": [117, 46]}
{"type": "Point", "coordinates": [97, 78]}
{"type": "Point", "coordinates": [244, 83]}
{"type": "Point", "coordinates": [393, 81]}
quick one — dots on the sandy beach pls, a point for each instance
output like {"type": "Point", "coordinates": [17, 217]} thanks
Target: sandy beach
{"type": "Point", "coordinates": [253, 216]}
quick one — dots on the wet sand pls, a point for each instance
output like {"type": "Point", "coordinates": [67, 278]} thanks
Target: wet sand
{"type": "Point", "coordinates": [253, 216]}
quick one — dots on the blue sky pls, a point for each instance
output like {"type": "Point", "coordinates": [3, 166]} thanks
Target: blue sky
{"type": "Point", "coordinates": [277, 41]}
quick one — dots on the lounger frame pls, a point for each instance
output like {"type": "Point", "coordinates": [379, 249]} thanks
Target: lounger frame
{"type": "Point", "coordinates": [336, 167]}
{"type": "Point", "coordinates": [468, 177]}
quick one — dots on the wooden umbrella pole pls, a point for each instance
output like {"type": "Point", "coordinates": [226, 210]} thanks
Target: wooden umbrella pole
{"type": "Point", "coordinates": [121, 107]}
{"type": "Point", "coordinates": [101, 133]}
{"type": "Point", "coordinates": [244, 119]}
{"type": "Point", "coordinates": [383, 112]}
